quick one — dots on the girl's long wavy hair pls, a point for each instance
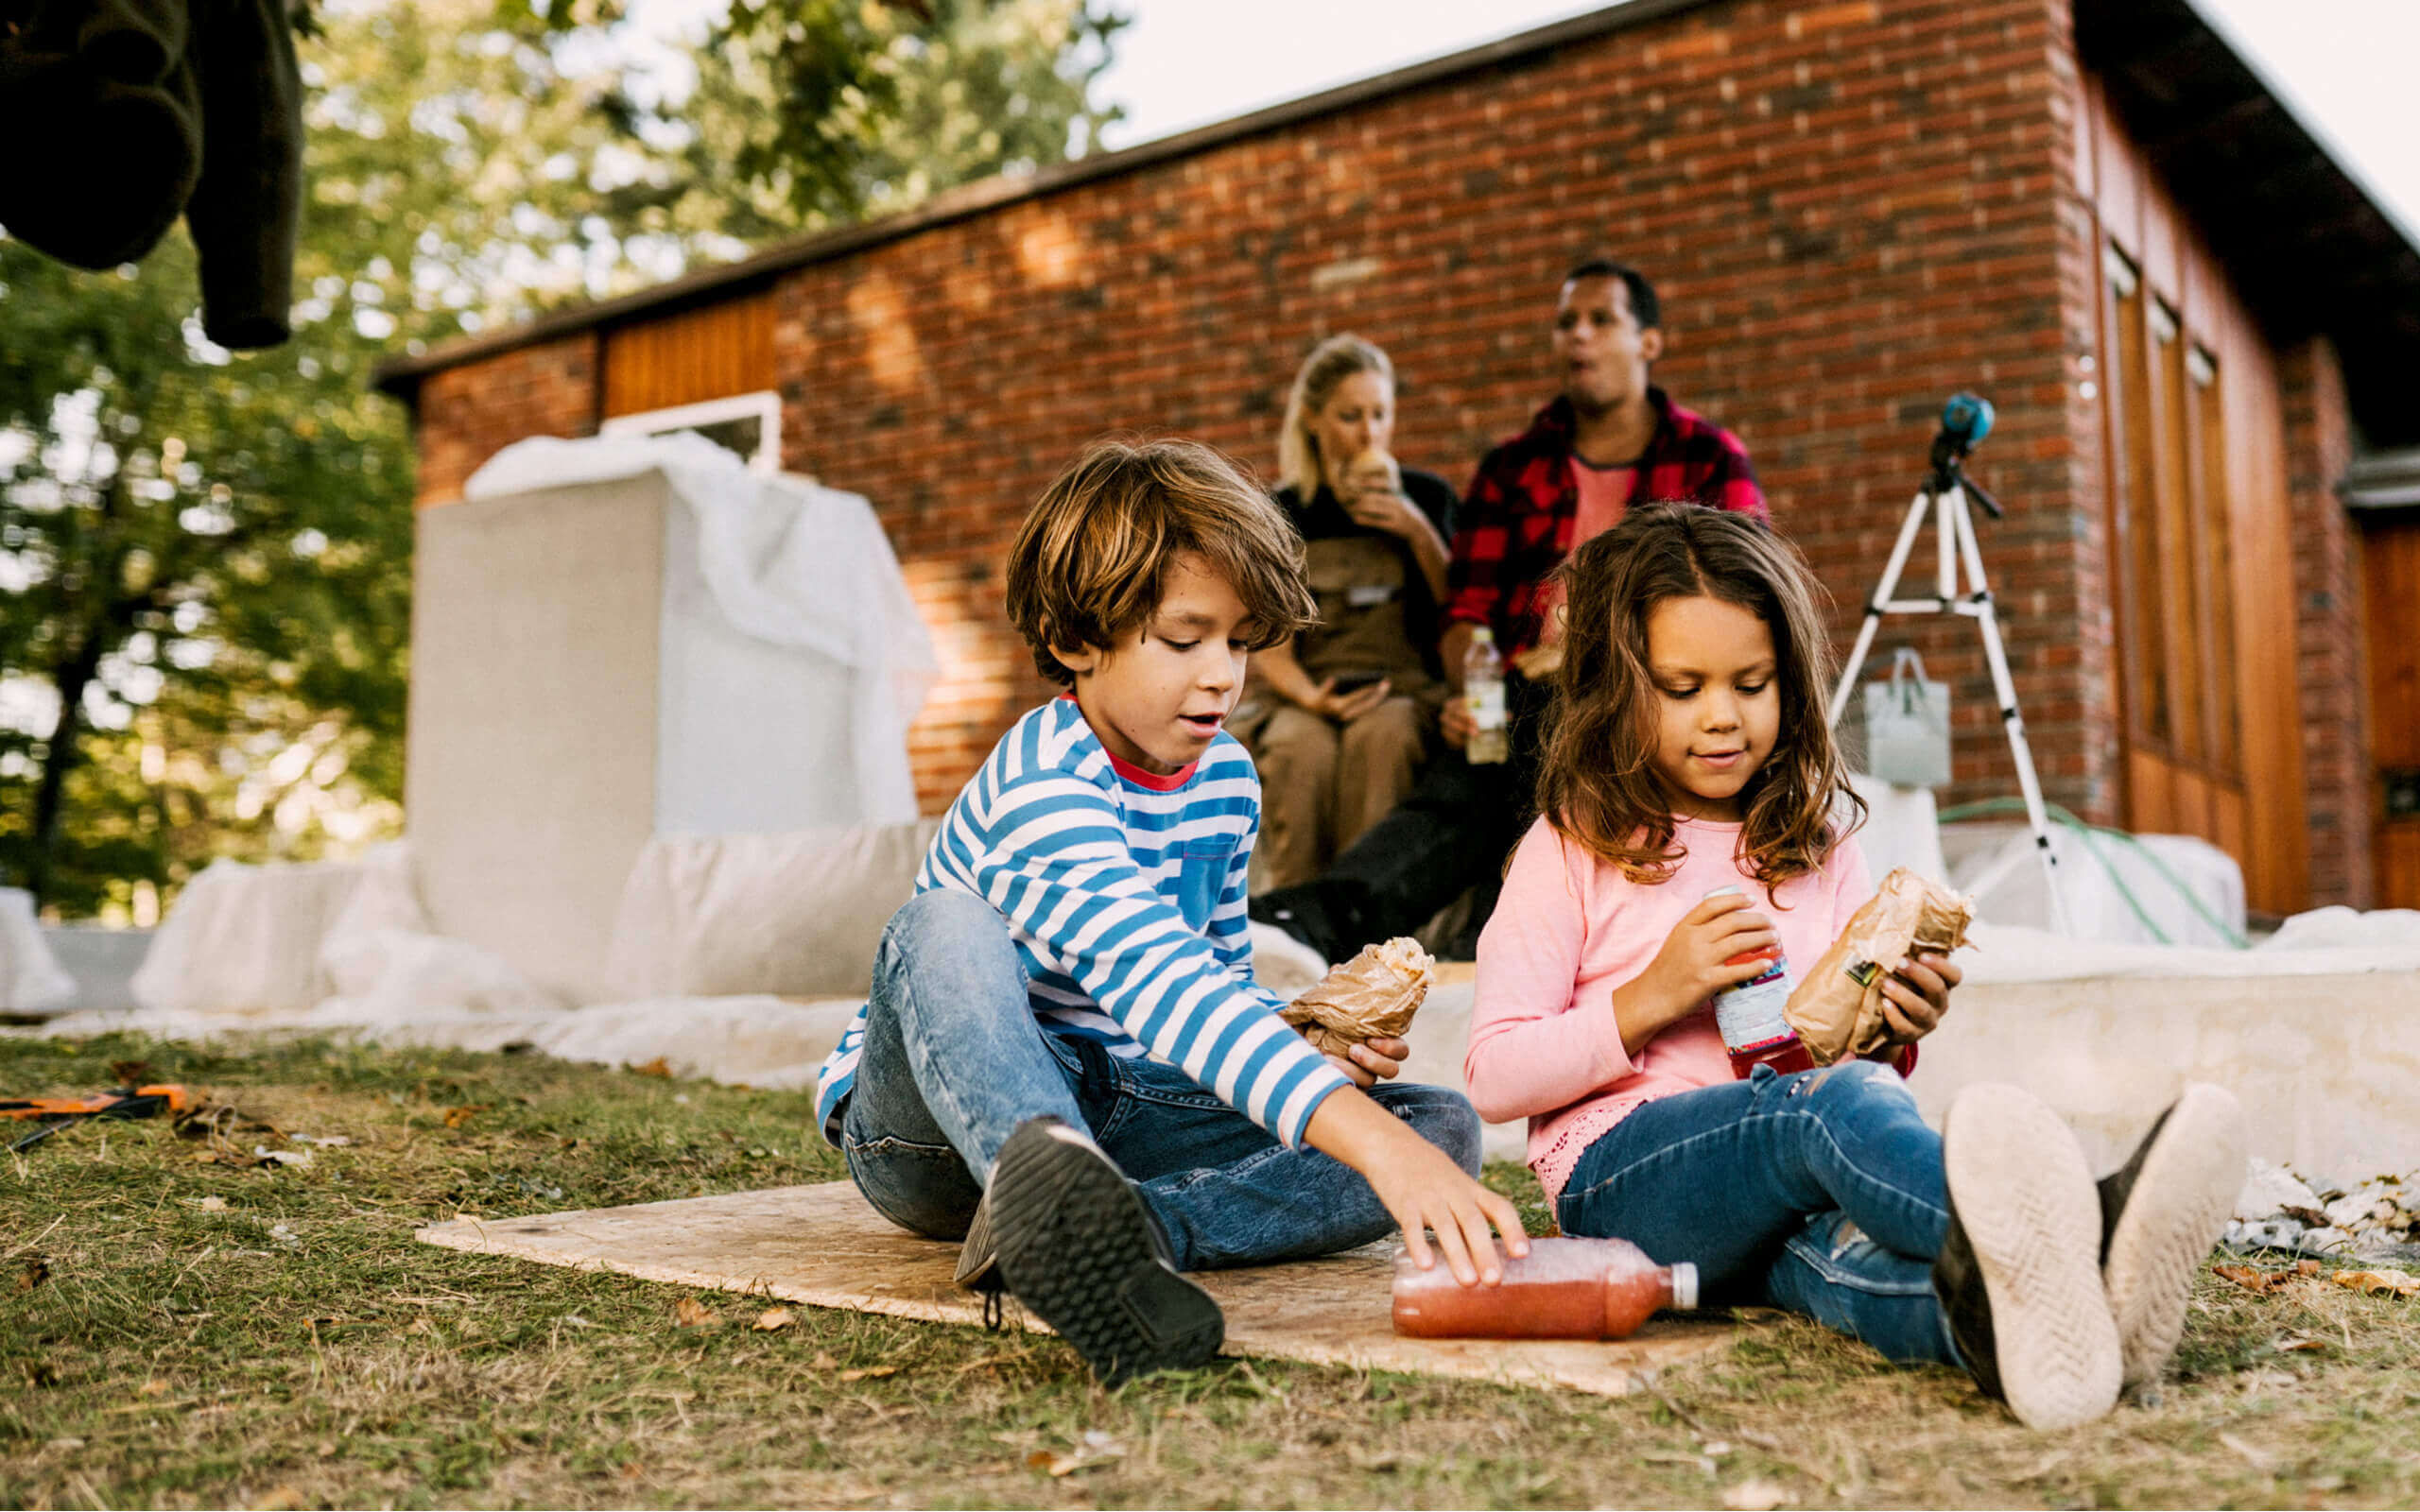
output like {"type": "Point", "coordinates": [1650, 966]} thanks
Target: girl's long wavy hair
{"type": "Point", "coordinates": [1596, 781]}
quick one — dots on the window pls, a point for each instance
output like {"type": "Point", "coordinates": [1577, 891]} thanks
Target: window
{"type": "Point", "coordinates": [749, 425]}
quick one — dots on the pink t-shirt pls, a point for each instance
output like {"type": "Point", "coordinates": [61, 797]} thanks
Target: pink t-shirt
{"type": "Point", "coordinates": [1570, 928]}
{"type": "Point", "coordinates": [1605, 498]}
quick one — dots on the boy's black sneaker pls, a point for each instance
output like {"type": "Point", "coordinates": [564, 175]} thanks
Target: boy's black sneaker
{"type": "Point", "coordinates": [2018, 1275]}
{"type": "Point", "coordinates": [2161, 1212]}
{"type": "Point", "coordinates": [1076, 1244]}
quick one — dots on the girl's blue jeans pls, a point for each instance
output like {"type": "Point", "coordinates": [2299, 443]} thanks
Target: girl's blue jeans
{"type": "Point", "coordinates": [1820, 1192]}
{"type": "Point", "coordinates": [954, 1061]}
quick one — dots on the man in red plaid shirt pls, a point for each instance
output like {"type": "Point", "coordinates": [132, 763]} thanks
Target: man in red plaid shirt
{"type": "Point", "coordinates": [1610, 440]}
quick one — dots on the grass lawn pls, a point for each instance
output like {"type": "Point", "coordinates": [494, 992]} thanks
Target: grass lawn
{"type": "Point", "coordinates": [181, 1325]}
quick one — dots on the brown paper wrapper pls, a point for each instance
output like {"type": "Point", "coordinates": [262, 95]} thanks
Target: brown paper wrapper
{"type": "Point", "coordinates": [1371, 996]}
{"type": "Point", "coordinates": [1836, 1008]}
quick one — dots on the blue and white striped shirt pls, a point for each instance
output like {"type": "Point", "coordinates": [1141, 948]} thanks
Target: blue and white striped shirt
{"type": "Point", "coordinates": [1124, 894]}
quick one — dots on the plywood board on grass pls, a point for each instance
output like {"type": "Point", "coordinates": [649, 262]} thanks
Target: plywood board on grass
{"type": "Point", "coordinates": [822, 1245]}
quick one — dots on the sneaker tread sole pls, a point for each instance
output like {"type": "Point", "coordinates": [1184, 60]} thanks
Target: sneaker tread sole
{"type": "Point", "coordinates": [2032, 1215]}
{"type": "Point", "coordinates": [1074, 1246]}
{"type": "Point", "coordinates": [2174, 1215]}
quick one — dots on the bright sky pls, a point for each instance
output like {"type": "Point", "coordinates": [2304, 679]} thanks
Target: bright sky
{"type": "Point", "coordinates": [2347, 66]}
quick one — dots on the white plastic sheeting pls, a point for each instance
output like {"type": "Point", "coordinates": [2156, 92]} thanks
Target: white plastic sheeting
{"type": "Point", "coordinates": [2141, 889]}
{"type": "Point", "coordinates": [384, 966]}
{"type": "Point", "coordinates": [786, 561]}
{"type": "Point", "coordinates": [246, 939]}
{"type": "Point", "coordinates": [796, 913]}
{"type": "Point", "coordinates": [2326, 943]}
{"type": "Point", "coordinates": [31, 979]}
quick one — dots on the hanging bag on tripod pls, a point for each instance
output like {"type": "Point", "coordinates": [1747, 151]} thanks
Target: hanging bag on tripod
{"type": "Point", "coordinates": [1907, 725]}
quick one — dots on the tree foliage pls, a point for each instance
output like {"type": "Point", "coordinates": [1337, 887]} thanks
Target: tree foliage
{"type": "Point", "coordinates": [205, 556]}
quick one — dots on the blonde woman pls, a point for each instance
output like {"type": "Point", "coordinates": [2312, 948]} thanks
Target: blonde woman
{"type": "Point", "coordinates": [1346, 711]}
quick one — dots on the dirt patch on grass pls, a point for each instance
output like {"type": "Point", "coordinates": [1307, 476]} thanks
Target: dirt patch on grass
{"type": "Point", "coordinates": [223, 1332]}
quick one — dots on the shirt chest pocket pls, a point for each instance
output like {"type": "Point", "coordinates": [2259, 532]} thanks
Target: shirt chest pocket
{"type": "Point", "coordinates": [1202, 876]}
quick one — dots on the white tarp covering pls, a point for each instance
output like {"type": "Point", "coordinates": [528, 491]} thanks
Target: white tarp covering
{"type": "Point", "coordinates": [246, 938]}
{"type": "Point", "coordinates": [786, 561]}
{"type": "Point", "coordinates": [2146, 889]}
{"type": "Point", "coordinates": [31, 979]}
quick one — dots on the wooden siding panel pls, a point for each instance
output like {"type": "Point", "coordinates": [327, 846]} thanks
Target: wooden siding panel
{"type": "Point", "coordinates": [2198, 517]}
{"type": "Point", "coordinates": [713, 352]}
{"type": "Point", "coordinates": [2390, 591]}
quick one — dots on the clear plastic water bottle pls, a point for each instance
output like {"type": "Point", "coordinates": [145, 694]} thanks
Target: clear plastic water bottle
{"type": "Point", "coordinates": [1483, 696]}
{"type": "Point", "coordinates": [1750, 1015]}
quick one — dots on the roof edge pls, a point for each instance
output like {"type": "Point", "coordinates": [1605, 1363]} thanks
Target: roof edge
{"type": "Point", "coordinates": [401, 376]}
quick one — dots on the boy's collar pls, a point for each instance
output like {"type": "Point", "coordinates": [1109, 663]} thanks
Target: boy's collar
{"type": "Point", "coordinates": [1152, 782]}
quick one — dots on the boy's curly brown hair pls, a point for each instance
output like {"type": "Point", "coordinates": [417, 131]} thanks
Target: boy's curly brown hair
{"type": "Point", "coordinates": [1091, 561]}
{"type": "Point", "coordinates": [1597, 781]}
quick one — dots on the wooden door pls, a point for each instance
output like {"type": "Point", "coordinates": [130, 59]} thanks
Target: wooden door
{"type": "Point", "coordinates": [2391, 593]}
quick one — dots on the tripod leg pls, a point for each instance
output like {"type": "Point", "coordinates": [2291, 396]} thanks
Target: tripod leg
{"type": "Point", "coordinates": [1986, 612]}
{"type": "Point", "coordinates": [1873, 608]}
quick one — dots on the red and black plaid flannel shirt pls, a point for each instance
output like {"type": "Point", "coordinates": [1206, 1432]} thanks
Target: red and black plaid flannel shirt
{"type": "Point", "coordinates": [1515, 526]}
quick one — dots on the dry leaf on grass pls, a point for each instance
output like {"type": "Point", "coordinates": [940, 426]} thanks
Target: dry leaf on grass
{"type": "Point", "coordinates": [870, 1372]}
{"type": "Point", "coordinates": [656, 1068]}
{"type": "Point", "coordinates": [1096, 1448]}
{"type": "Point", "coordinates": [2372, 1282]}
{"type": "Point", "coordinates": [36, 1272]}
{"type": "Point", "coordinates": [212, 1205]}
{"type": "Point", "coordinates": [774, 1318]}
{"type": "Point", "coordinates": [1757, 1496]}
{"type": "Point", "coordinates": [2260, 1281]}
{"type": "Point", "coordinates": [456, 1117]}
{"type": "Point", "coordinates": [689, 1313]}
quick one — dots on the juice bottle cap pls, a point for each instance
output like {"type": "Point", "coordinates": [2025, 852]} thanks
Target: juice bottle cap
{"type": "Point", "coordinates": [1685, 1286]}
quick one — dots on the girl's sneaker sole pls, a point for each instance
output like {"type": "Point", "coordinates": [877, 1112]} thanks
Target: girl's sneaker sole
{"type": "Point", "coordinates": [2178, 1191]}
{"type": "Point", "coordinates": [2019, 1188]}
{"type": "Point", "coordinates": [1077, 1247]}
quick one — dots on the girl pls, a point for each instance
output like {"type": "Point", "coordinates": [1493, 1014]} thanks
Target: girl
{"type": "Point", "coordinates": [1688, 750]}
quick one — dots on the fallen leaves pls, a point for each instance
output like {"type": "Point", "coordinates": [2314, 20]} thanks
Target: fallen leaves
{"type": "Point", "coordinates": [2263, 1282]}
{"type": "Point", "coordinates": [656, 1068]}
{"type": "Point", "coordinates": [870, 1372]}
{"type": "Point", "coordinates": [36, 1271]}
{"type": "Point", "coordinates": [773, 1319]}
{"type": "Point", "coordinates": [212, 1205]}
{"type": "Point", "coordinates": [689, 1313]}
{"type": "Point", "coordinates": [2372, 1282]}
{"type": "Point", "coordinates": [2397, 1283]}
{"type": "Point", "coordinates": [458, 1116]}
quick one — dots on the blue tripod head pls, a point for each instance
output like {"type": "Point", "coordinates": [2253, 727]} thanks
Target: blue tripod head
{"type": "Point", "coordinates": [1964, 422]}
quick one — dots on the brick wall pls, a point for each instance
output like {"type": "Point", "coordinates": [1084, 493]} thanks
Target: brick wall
{"type": "Point", "coordinates": [2330, 663]}
{"type": "Point", "coordinates": [1851, 209]}
{"type": "Point", "coordinates": [466, 415]}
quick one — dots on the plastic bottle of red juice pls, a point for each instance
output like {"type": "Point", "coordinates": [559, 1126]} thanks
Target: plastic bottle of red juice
{"type": "Point", "coordinates": [1748, 1015]}
{"type": "Point", "coordinates": [1561, 1289]}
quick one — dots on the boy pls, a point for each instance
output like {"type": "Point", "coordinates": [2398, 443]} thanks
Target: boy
{"type": "Point", "coordinates": [1065, 1059]}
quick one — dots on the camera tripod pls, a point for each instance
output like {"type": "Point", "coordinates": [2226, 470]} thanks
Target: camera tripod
{"type": "Point", "coordinates": [1964, 422]}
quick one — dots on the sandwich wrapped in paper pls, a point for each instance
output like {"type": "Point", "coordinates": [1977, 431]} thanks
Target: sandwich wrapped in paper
{"type": "Point", "coordinates": [1371, 996]}
{"type": "Point", "coordinates": [1836, 1008]}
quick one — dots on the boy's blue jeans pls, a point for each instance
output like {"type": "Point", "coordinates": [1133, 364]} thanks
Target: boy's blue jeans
{"type": "Point", "coordinates": [954, 1061]}
{"type": "Point", "coordinates": [1820, 1192]}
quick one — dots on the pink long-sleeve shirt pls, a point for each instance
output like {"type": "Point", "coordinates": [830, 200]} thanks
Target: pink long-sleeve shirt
{"type": "Point", "coordinates": [1567, 931]}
